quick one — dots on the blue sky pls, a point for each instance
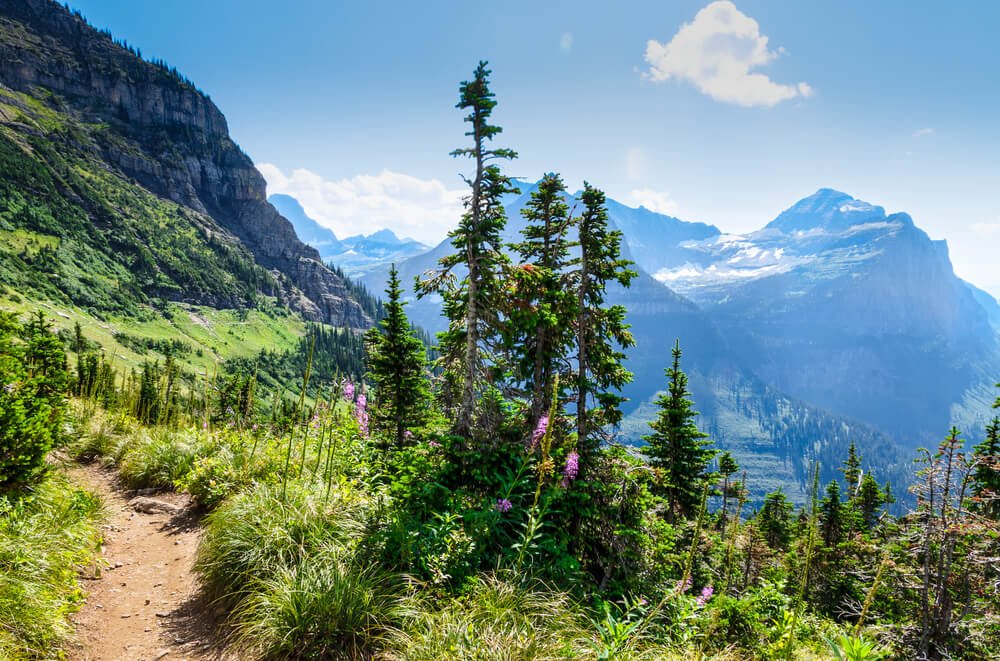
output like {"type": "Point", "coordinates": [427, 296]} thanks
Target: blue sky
{"type": "Point", "coordinates": [731, 114]}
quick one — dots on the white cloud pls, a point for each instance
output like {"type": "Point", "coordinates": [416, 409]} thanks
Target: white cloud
{"type": "Point", "coordinates": [923, 133]}
{"type": "Point", "coordinates": [423, 209]}
{"type": "Point", "coordinates": [658, 201]}
{"type": "Point", "coordinates": [566, 42]}
{"type": "Point", "coordinates": [717, 52]}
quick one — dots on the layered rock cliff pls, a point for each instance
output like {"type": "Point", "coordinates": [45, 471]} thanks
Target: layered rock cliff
{"type": "Point", "coordinates": [159, 130]}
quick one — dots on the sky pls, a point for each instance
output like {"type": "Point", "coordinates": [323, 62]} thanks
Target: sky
{"type": "Point", "coordinates": [721, 112]}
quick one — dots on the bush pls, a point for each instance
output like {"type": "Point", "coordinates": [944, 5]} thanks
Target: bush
{"type": "Point", "coordinates": [33, 381]}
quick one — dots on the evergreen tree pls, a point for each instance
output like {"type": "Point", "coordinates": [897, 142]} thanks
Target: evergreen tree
{"type": "Point", "coordinates": [600, 331]}
{"type": "Point", "coordinates": [986, 475]}
{"type": "Point", "coordinates": [727, 467]}
{"type": "Point", "coordinates": [677, 446]}
{"type": "Point", "coordinates": [868, 501]}
{"type": "Point", "coordinates": [831, 515]}
{"type": "Point", "coordinates": [539, 325]}
{"type": "Point", "coordinates": [396, 368]}
{"type": "Point", "coordinates": [472, 301]}
{"type": "Point", "coordinates": [775, 520]}
{"type": "Point", "coordinates": [852, 470]}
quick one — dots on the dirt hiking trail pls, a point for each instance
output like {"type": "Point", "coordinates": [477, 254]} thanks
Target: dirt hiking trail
{"type": "Point", "coordinates": [142, 603]}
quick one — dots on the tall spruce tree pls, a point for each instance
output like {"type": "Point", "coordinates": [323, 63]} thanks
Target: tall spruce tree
{"type": "Point", "coordinates": [852, 470]}
{"type": "Point", "coordinates": [397, 363]}
{"type": "Point", "coordinates": [986, 475]}
{"type": "Point", "coordinates": [600, 331]}
{"type": "Point", "coordinates": [677, 446]}
{"type": "Point", "coordinates": [472, 300]}
{"type": "Point", "coordinates": [542, 310]}
{"type": "Point", "coordinates": [727, 467]}
{"type": "Point", "coordinates": [775, 520]}
{"type": "Point", "coordinates": [831, 515]}
{"type": "Point", "coordinates": [869, 500]}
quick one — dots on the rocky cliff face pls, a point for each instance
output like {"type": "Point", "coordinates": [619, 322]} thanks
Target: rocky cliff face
{"type": "Point", "coordinates": [165, 134]}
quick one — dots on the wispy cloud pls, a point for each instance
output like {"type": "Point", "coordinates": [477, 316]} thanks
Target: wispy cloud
{"type": "Point", "coordinates": [566, 42]}
{"type": "Point", "coordinates": [654, 200]}
{"type": "Point", "coordinates": [923, 133]}
{"type": "Point", "coordinates": [423, 209]}
{"type": "Point", "coordinates": [717, 53]}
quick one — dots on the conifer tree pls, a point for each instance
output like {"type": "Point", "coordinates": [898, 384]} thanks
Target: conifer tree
{"type": "Point", "coordinates": [831, 515]}
{"type": "Point", "coordinates": [852, 470]}
{"type": "Point", "coordinates": [396, 368]}
{"type": "Point", "coordinates": [775, 520]}
{"type": "Point", "coordinates": [986, 475]}
{"type": "Point", "coordinates": [677, 446]}
{"type": "Point", "coordinates": [868, 501]}
{"type": "Point", "coordinates": [727, 467]}
{"type": "Point", "coordinates": [539, 325]}
{"type": "Point", "coordinates": [472, 299]}
{"type": "Point", "coordinates": [600, 331]}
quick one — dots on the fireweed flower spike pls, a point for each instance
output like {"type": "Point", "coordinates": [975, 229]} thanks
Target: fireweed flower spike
{"type": "Point", "coordinates": [540, 428]}
{"type": "Point", "coordinates": [503, 505]}
{"type": "Point", "coordinates": [349, 390]}
{"type": "Point", "coordinates": [706, 594]}
{"type": "Point", "coordinates": [361, 413]}
{"type": "Point", "coordinates": [571, 469]}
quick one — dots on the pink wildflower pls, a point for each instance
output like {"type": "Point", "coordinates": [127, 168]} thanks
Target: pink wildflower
{"type": "Point", "coordinates": [503, 505]}
{"type": "Point", "coordinates": [706, 594]}
{"type": "Point", "coordinates": [348, 390]}
{"type": "Point", "coordinates": [361, 413]}
{"type": "Point", "coordinates": [572, 468]}
{"type": "Point", "coordinates": [540, 429]}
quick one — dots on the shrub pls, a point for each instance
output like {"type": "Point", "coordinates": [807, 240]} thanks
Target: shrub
{"type": "Point", "coordinates": [33, 381]}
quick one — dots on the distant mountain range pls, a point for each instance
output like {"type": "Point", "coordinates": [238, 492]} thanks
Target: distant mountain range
{"type": "Point", "coordinates": [833, 323]}
{"type": "Point", "coordinates": [355, 255]}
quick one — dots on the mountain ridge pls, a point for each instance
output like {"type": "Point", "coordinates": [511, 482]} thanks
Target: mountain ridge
{"type": "Point", "coordinates": [154, 128]}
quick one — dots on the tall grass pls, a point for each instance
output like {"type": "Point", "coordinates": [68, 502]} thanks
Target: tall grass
{"type": "Point", "coordinates": [45, 537]}
{"type": "Point", "coordinates": [331, 605]}
{"type": "Point", "coordinates": [498, 619]}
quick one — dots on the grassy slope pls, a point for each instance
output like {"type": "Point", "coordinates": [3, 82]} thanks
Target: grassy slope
{"type": "Point", "coordinates": [88, 246]}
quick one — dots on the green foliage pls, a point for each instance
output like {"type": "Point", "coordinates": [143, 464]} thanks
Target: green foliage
{"type": "Point", "coordinates": [542, 308]}
{"type": "Point", "coordinates": [497, 619]}
{"type": "Point", "coordinates": [335, 606]}
{"type": "Point", "coordinates": [45, 538]}
{"type": "Point", "coordinates": [33, 384]}
{"type": "Point", "coordinates": [397, 366]}
{"type": "Point", "coordinates": [91, 237]}
{"type": "Point", "coordinates": [601, 332]}
{"type": "Point", "coordinates": [472, 301]}
{"type": "Point", "coordinates": [677, 447]}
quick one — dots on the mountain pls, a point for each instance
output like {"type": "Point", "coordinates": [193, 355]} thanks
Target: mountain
{"type": "Point", "coordinates": [308, 230]}
{"type": "Point", "coordinates": [120, 185]}
{"type": "Point", "coordinates": [857, 311]}
{"type": "Point", "coordinates": [773, 434]}
{"type": "Point", "coordinates": [356, 255]}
